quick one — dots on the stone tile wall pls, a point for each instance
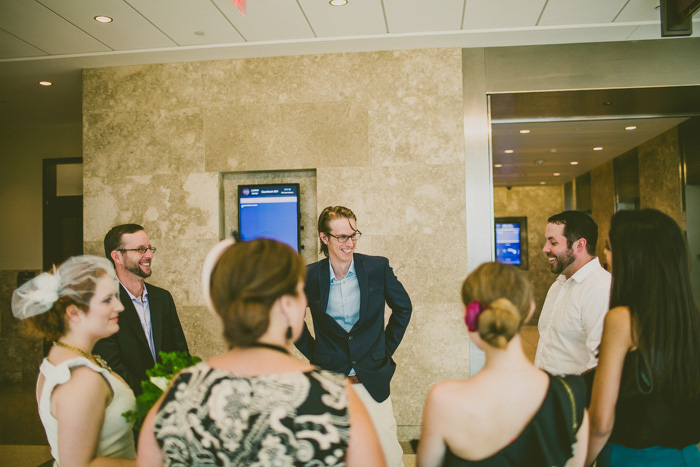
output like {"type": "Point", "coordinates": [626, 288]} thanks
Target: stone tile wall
{"type": "Point", "coordinates": [537, 203]}
{"type": "Point", "coordinates": [20, 352]}
{"type": "Point", "coordinates": [383, 132]}
{"type": "Point", "coordinates": [660, 183]}
{"type": "Point", "coordinates": [602, 203]}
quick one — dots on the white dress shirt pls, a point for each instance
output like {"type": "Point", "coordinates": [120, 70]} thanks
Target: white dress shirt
{"type": "Point", "coordinates": [571, 323]}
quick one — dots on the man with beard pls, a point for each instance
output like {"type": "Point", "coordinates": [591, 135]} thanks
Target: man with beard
{"type": "Point", "coordinates": [149, 322]}
{"type": "Point", "coordinates": [571, 322]}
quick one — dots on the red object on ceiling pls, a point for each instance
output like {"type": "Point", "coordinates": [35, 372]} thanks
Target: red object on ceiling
{"type": "Point", "coordinates": [241, 5]}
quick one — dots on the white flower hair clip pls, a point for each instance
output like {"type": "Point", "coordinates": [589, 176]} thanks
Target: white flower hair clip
{"type": "Point", "coordinates": [36, 296]}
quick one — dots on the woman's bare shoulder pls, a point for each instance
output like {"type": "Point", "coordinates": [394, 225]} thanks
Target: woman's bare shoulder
{"type": "Point", "coordinates": [619, 319]}
{"type": "Point", "coordinates": [451, 396]}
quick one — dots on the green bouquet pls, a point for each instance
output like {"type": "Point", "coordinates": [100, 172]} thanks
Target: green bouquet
{"type": "Point", "coordinates": [158, 379]}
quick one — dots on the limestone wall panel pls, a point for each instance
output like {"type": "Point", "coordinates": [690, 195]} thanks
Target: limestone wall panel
{"type": "Point", "coordinates": [203, 331]}
{"type": "Point", "coordinates": [602, 202]}
{"type": "Point", "coordinates": [435, 348]}
{"type": "Point", "coordinates": [286, 136]}
{"type": "Point", "coordinates": [413, 130]}
{"type": "Point", "coordinates": [167, 206]}
{"type": "Point", "coordinates": [143, 142]}
{"type": "Point", "coordinates": [142, 87]}
{"type": "Point", "coordinates": [409, 199]}
{"type": "Point", "coordinates": [660, 176]}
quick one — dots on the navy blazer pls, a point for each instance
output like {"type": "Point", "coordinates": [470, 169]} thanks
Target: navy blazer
{"type": "Point", "coordinates": [368, 346]}
{"type": "Point", "coordinates": [127, 351]}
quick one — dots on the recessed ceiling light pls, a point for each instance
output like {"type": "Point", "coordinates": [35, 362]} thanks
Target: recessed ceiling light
{"type": "Point", "coordinates": [498, 166]}
{"type": "Point", "coordinates": [574, 162]}
{"type": "Point", "coordinates": [524, 131]}
{"type": "Point", "coordinates": [338, 2]}
{"type": "Point", "coordinates": [542, 183]}
{"type": "Point", "coordinates": [598, 148]}
{"type": "Point", "coordinates": [509, 151]}
{"type": "Point", "coordinates": [630, 128]}
{"type": "Point", "coordinates": [556, 174]}
{"type": "Point", "coordinates": [607, 103]}
{"type": "Point", "coordinates": [199, 33]}
{"type": "Point", "coordinates": [553, 150]}
{"type": "Point", "coordinates": [45, 83]}
{"type": "Point", "coordinates": [103, 19]}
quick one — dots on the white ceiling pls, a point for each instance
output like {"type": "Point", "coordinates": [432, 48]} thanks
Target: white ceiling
{"type": "Point", "coordinates": [54, 39]}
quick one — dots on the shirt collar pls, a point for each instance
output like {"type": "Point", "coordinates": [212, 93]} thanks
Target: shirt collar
{"type": "Point", "coordinates": [133, 297]}
{"type": "Point", "coordinates": [351, 270]}
{"type": "Point", "coordinates": [583, 272]}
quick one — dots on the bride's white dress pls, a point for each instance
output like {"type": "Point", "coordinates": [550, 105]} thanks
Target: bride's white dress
{"type": "Point", "coordinates": [116, 438]}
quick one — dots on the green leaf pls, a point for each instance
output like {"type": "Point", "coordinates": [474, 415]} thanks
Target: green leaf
{"type": "Point", "coordinates": [171, 364]}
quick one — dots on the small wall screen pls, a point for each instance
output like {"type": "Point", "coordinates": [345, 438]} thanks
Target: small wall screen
{"type": "Point", "coordinates": [511, 241]}
{"type": "Point", "coordinates": [269, 211]}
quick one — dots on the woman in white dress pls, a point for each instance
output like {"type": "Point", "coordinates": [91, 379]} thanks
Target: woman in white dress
{"type": "Point", "coordinates": [80, 399]}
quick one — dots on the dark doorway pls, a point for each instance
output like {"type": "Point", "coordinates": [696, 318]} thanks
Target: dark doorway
{"type": "Point", "coordinates": [62, 210]}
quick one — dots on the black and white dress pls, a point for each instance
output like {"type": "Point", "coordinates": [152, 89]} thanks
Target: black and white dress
{"type": "Point", "coordinates": [213, 417]}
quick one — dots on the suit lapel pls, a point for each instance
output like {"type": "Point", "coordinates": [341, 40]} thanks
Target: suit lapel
{"type": "Point", "coordinates": [156, 306]}
{"type": "Point", "coordinates": [130, 318]}
{"type": "Point", "coordinates": [363, 281]}
{"type": "Point", "coordinates": [324, 284]}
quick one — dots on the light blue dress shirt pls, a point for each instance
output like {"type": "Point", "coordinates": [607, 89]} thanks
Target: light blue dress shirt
{"type": "Point", "coordinates": [344, 299]}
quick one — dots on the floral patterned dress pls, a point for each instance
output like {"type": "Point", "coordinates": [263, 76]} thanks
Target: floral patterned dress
{"type": "Point", "coordinates": [213, 417]}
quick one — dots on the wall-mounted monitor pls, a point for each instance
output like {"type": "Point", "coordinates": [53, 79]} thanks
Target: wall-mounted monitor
{"type": "Point", "coordinates": [269, 211]}
{"type": "Point", "coordinates": [511, 241]}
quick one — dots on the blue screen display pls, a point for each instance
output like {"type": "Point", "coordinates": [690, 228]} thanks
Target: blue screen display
{"type": "Point", "coordinates": [508, 249]}
{"type": "Point", "coordinates": [269, 211]}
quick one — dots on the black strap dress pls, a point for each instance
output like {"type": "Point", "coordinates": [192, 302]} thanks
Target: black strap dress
{"type": "Point", "coordinates": [547, 440]}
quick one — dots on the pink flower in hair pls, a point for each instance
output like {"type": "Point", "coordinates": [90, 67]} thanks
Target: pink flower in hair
{"type": "Point", "coordinates": [471, 317]}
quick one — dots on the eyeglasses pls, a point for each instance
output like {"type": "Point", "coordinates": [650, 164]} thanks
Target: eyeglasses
{"type": "Point", "coordinates": [142, 250]}
{"type": "Point", "coordinates": [344, 238]}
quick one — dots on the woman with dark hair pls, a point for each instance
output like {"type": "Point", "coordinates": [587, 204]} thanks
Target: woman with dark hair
{"type": "Point", "coordinates": [80, 399]}
{"type": "Point", "coordinates": [509, 413]}
{"type": "Point", "coordinates": [256, 404]}
{"type": "Point", "coordinates": [646, 391]}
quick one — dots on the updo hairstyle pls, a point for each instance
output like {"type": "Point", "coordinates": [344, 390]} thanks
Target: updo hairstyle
{"type": "Point", "coordinates": [52, 324]}
{"type": "Point", "coordinates": [42, 302]}
{"type": "Point", "coordinates": [247, 280]}
{"type": "Point", "coordinates": [506, 295]}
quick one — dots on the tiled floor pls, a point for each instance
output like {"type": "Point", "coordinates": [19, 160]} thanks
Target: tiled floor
{"type": "Point", "coordinates": [22, 439]}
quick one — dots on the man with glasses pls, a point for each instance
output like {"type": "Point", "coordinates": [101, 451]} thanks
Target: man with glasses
{"type": "Point", "coordinates": [347, 293]}
{"type": "Point", "coordinates": [149, 323]}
